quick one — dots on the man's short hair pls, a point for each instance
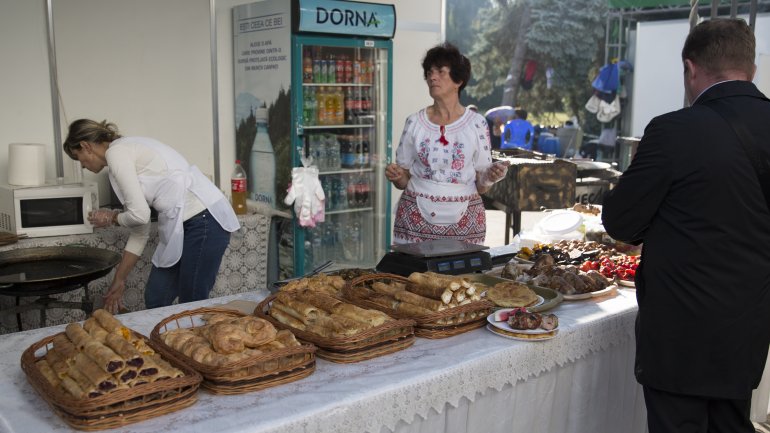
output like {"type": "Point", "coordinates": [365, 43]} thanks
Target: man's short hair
{"type": "Point", "coordinates": [720, 45]}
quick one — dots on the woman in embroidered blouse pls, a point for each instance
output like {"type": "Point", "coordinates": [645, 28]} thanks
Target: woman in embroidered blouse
{"type": "Point", "coordinates": [444, 159]}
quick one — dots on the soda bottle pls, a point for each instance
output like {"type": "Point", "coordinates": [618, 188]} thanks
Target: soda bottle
{"type": "Point", "coordinates": [339, 106]}
{"type": "Point", "coordinates": [348, 70]}
{"type": "Point", "coordinates": [308, 109]}
{"type": "Point", "coordinates": [341, 69]}
{"type": "Point", "coordinates": [238, 188]}
{"type": "Point", "coordinates": [329, 101]}
{"type": "Point", "coordinates": [317, 78]}
{"type": "Point", "coordinates": [332, 71]}
{"type": "Point", "coordinates": [321, 113]}
{"type": "Point", "coordinates": [307, 68]}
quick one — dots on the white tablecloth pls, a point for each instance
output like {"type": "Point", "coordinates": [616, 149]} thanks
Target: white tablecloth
{"type": "Point", "coordinates": [580, 381]}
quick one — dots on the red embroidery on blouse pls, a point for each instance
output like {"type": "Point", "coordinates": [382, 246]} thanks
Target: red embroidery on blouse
{"type": "Point", "coordinates": [443, 139]}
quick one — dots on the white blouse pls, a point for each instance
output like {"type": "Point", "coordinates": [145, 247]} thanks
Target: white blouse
{"type": "Point", "coordinates": [468, 150]}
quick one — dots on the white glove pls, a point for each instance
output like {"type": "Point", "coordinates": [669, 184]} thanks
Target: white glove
{"type": "Point", "coordinates": [101, 217]}
{"type": "Point", "coordinates": [307, 196]}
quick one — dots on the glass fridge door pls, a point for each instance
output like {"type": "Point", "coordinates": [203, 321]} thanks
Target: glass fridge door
{"type": "Point", "coordinates": [345, 121]}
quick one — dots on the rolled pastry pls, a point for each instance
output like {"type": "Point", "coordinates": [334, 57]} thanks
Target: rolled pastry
{"type": "Point", "coordinates": [89, 389]}
{"type": "Point", "coordinates": [77, 335]}
{"type": "Point", "coordinates": [126, 376]}
{"type": "Point", "coordinates": [386, 289]}
{"type": "Point", "coordinates": [65, 348]}
{"type": "Point", "coordinates": [412, 310]}
{"type": "Point", "coordinates": [421, 301]}
{"type": "Point", "coordinates": [95, 330]}
{"type": "Point", "coordinates": [321, 300]}
{"type": "Point", "coordinates": [96, 375]}
{"type": "Point", "coordinates": [103, 356]}
{"type": "Point", "coordinates": [48, 373]}
{"type": "Point", "coordinates": [307, 311]}
{"type": "Point", "coordinates": [383, 300]}
{"type": "Point", "coordinates": [111, 324]}
{"type": "Point", "coordinates": [166, 370]}
{"type": "Point", "coordinates": [429, 280]}
{"type": "Point", "coordinates": [126, 350]}
{"type": "Point", "coordinates": [372, 317]}
{"type": "Point", "coordinates": [279, 313]}
{"type": "Point", "coordinates": [72, 387]}
{"type": "Point", "coordinates": [57, 363]}
{"type": "Point", "coordinates": [433, 292]}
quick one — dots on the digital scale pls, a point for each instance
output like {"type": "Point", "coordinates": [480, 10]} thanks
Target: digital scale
{"type": "Point", "coordinates": [442, 256]}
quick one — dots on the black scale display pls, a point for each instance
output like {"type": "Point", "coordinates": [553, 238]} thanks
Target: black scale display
{"type": "Point", "coordinates": [442, 256]}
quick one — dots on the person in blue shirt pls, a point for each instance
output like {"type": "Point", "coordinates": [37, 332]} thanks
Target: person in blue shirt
{"type": "Point", "coordinates": [518, 132]}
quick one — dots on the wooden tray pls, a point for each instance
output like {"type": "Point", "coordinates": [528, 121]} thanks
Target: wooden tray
{"type": "Point", "coordinates": [247, 375]}
{"type": "Point", "coordinates": [427, 325]}
{"type": "Point", "coordinates": [117, 408]}
{"type": "Point", "coordinates": [378, 341]}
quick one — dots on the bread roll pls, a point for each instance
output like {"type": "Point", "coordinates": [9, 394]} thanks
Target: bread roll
{"type": "Point", "coordinates": [306, 311]}
{"type": "Point", "coordinates": [277, 311]}
{"type": "Point", "coordinates": [383, 300]}
{"type": "Point", "coordinates": [412, 310]}
{"type": "Point", "coordinates": [372, 317]}
{"type": "Point", "coordinates": [387, 289]}
{"type": "Point", "coordinates": [421, 301]}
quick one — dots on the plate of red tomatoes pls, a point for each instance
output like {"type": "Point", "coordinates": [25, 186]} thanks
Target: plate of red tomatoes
{"type": "Point", "coordinates": [621, 268]}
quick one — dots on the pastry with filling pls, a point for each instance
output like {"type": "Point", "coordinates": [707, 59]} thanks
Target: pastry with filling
{"type": "Point", "coordinates": [511, 295]}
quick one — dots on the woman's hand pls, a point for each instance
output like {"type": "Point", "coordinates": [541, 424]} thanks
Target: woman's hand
{"type": "Point", "coordinates": [398, 175]}
{"type": "Point", "coordinates": [495, 173]}
{"type": "Point", "coordinates": [101, 217]}
{"type": "Point", "coordinates": [113, 299]}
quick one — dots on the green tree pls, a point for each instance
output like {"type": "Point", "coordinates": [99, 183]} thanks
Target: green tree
{"type": "Point", "coordinates": [565, 37]}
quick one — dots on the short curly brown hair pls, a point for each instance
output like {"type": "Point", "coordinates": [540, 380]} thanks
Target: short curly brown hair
{"type": "Point", "coordinates": [448, 55]}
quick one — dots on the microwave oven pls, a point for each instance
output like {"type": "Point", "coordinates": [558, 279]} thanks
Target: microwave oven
{"type": "Point", "coordinates": [51, 209]}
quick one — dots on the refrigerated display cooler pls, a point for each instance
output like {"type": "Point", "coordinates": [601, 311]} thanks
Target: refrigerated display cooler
{"type": "Point", "coordinates": [339, 83]}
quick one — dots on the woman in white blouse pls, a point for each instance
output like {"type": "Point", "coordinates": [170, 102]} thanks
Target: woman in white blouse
{"type": "Point", "coordinates": [194, 217]}
{"type": "Point", "coordinates": [444, 159]}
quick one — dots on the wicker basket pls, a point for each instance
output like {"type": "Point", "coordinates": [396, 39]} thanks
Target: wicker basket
{"type": "Point", "coordinates": [117, 408]}
{"type": "Point", "coordinates": [427, 325]}
{"type": "Point", "coordinates": [247, 375]}
{"type": "Point", "coordinates": [381, 340]}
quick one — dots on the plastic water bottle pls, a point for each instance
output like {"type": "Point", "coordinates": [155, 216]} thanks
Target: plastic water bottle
{"type": "Point", "coordinates": [238, 189]}
{"type": "Point", "coordinates": [262, 163]}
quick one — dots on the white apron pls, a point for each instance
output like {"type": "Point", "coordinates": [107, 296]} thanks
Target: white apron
{"type": "Point", "coordinates": [166, 194]}
{"type": "Point", "coordinates": [441, 203]}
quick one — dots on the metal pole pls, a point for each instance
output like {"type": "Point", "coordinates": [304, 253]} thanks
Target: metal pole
{"type": "Point", "coordinates": [214, 86]}
{"type": "Point", "coordinates": [53, 75]}
{"type": "Point", "coordinates": [753, 14]}
{"type": "Point", "coordinates": [714, 8]}
{"type": "Point", "coordinates": [733, 9]}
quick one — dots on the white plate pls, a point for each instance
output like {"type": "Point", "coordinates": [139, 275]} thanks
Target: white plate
{"type": "Point", "coordinates": [493, 330]}
{"type": "Point", "coordinates": [506, 327]}
{"type": "Point", "coordinates": [607, 290]}
{"type": "Point", "coordinates": [626, 283]}
{"type": "Point", "coordinates": [561, 222]}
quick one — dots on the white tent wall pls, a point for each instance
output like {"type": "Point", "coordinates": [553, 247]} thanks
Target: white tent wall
{"type": "Point", "coordinates": [146, 65]}
{"type": "Point", "coordinates": [657, 77]}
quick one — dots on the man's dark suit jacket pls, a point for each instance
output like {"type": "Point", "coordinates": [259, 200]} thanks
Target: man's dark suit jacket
{"type": "Point", "coordinates": [703, 287]}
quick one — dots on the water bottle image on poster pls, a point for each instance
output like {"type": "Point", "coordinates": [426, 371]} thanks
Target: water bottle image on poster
{"type": "Point", "coordinates": [262, 86]}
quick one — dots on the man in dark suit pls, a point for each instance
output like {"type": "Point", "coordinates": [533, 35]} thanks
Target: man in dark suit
{"type": "Point", "coordinates": [693, 197]}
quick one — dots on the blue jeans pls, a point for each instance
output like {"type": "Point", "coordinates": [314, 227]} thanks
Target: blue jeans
{"type": "Point", "coordinates": [193, 276]}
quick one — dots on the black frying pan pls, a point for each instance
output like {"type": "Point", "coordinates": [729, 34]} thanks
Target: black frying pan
{"type": "Point", "coordinates": [49, 270]}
